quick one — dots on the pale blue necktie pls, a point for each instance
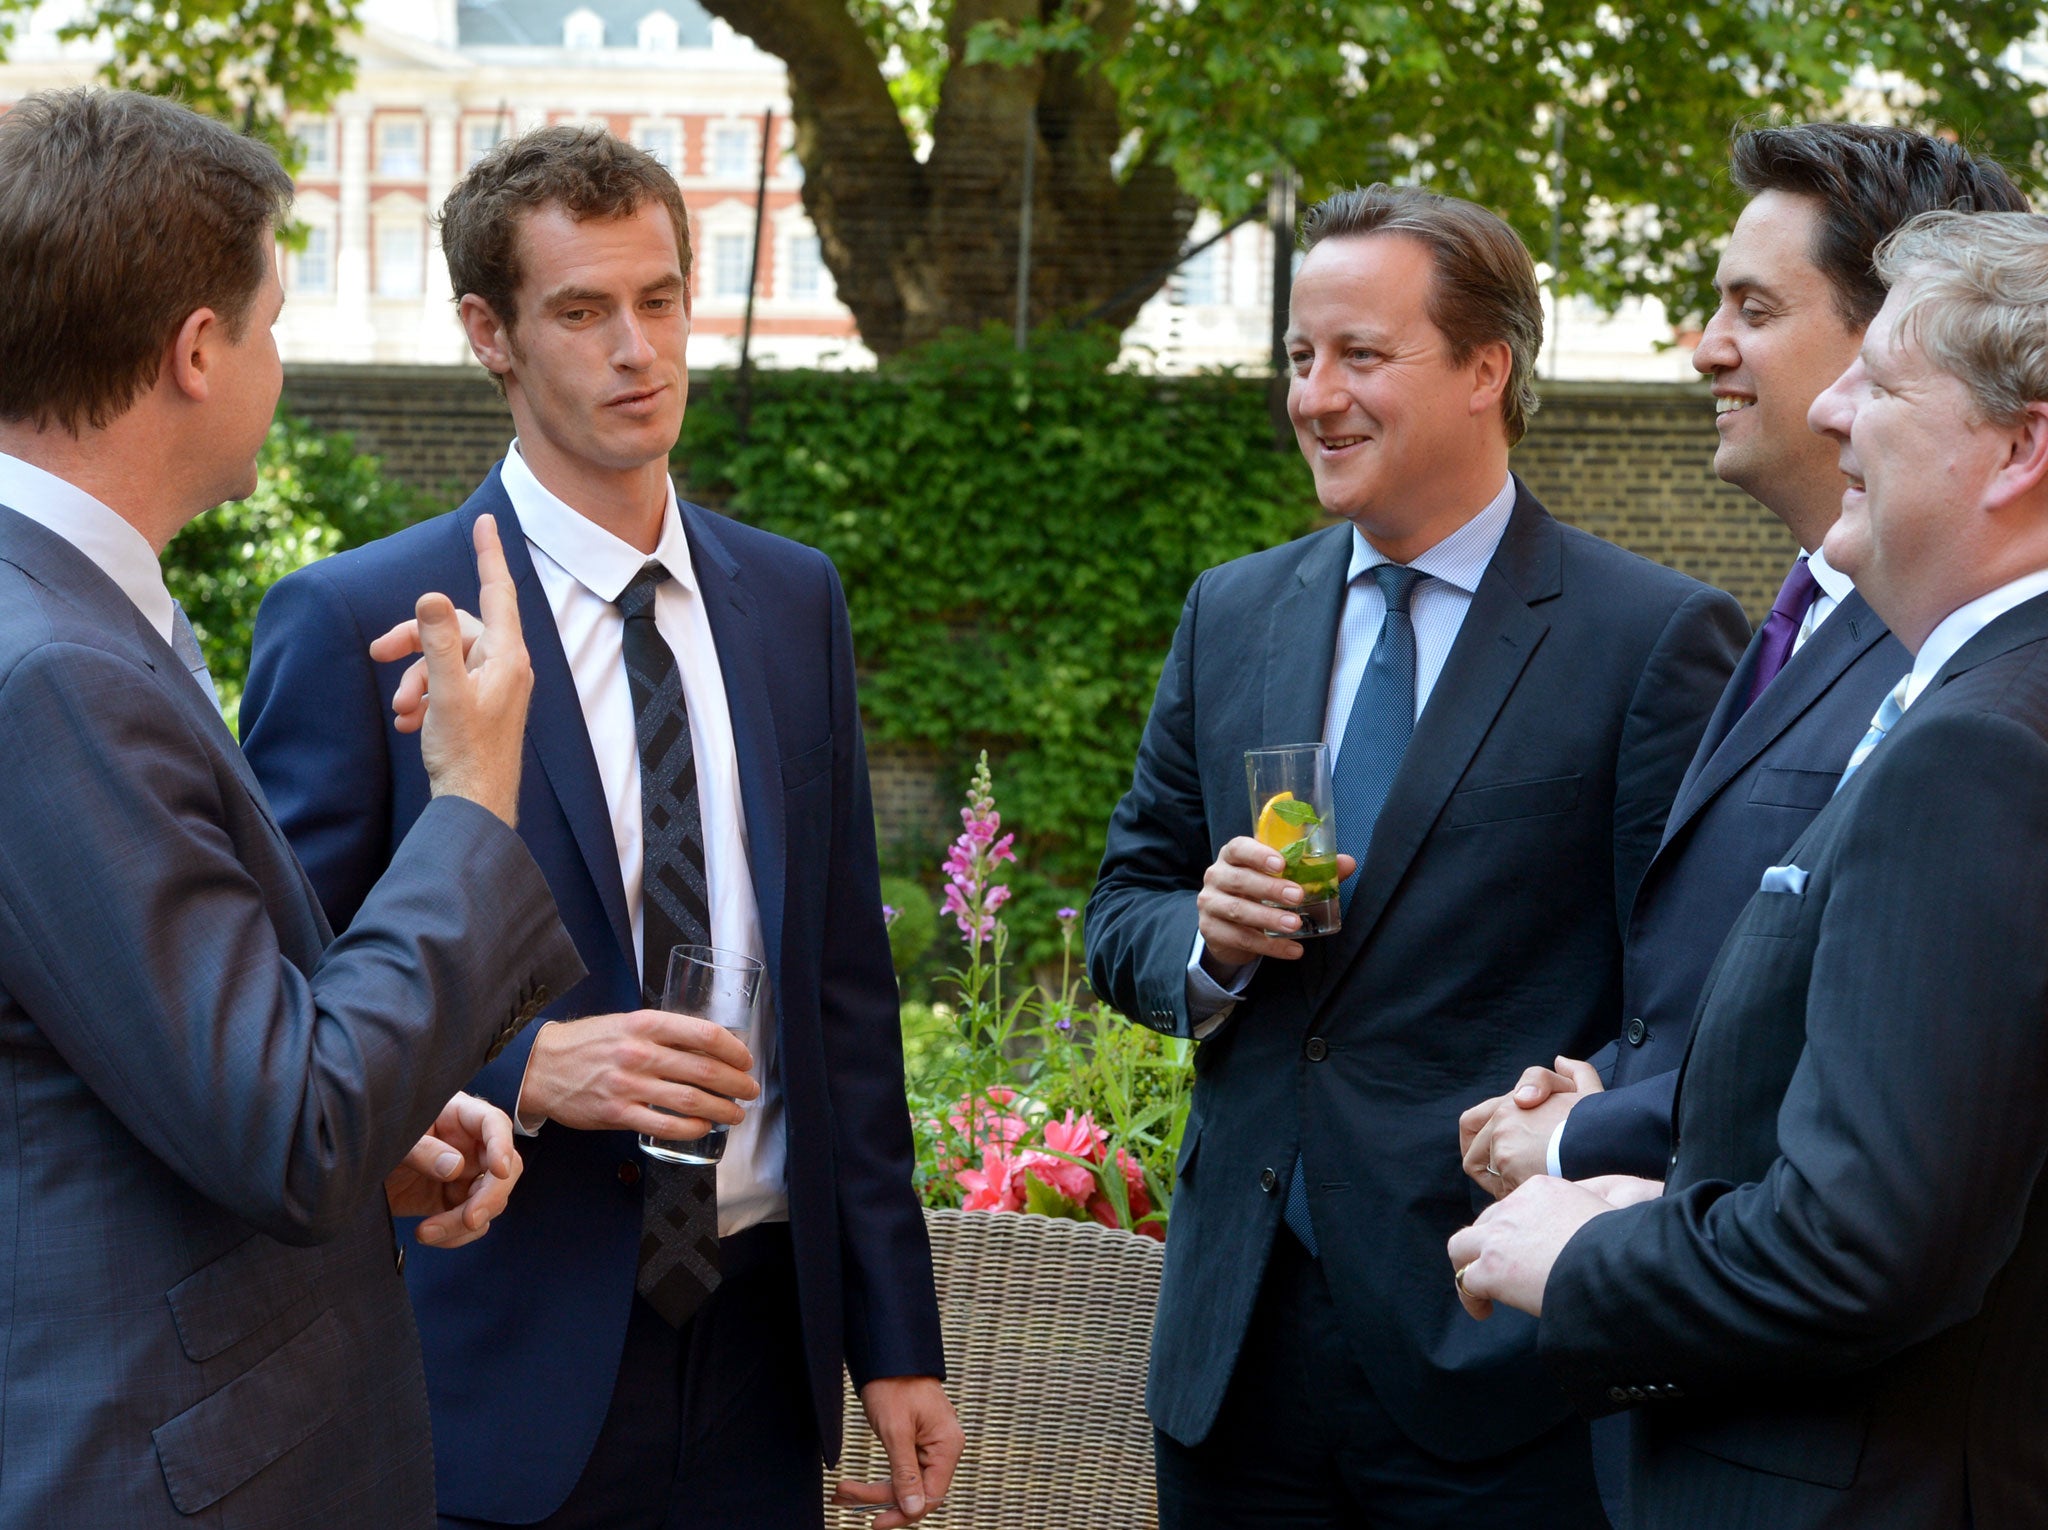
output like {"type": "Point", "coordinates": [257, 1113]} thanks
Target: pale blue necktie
{"type": "Point", "coordinates": [1889, 711]}
{"type": "Point", "coordinates": [185, 644]}
{"type": "Point", "coordinates": [1375, 741]}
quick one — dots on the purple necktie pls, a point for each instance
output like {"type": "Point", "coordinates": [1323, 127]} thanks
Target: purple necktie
{"type": "Point", "coordinates": [1782, 625]}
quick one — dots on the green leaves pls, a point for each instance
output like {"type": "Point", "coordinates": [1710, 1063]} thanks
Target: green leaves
{"type": "Point", "coordinates": [1292, 810]}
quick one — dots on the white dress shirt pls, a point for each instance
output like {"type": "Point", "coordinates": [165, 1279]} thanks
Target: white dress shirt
{"type": "Point", "coordinates": [583, 569]}
{"type": "Point", "coordinates": [1964, 623]}
{"type": "Point", "coordinates": [1437, 610]}
{"type": "Point", "coordinates": [116, 548]}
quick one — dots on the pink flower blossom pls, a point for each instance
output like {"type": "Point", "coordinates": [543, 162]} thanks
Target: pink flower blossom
{"type": "Point", "coordinates": [972, 893]}
{"type": "Point", "coordinates": [998, 1185]}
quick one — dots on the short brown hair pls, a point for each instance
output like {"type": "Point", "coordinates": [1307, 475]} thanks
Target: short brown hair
{"type": "Point", "coordinates": [1869, 181]}
{"type": "Point", "coordinates": [585, 170]}
{"type": "Point", "coordinates": [120, 215]}
{"type": "Point", "coordinates": [1485, 288]}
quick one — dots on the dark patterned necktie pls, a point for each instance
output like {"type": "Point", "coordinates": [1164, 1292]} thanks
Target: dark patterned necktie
{"type": "Point", "coordinates": [1375, 742]}
{"type": "Point", "coordinates": [679, 1212]}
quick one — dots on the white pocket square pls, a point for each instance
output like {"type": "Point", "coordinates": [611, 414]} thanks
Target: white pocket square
{"type": "Point", "coordinates": [1788, 879]}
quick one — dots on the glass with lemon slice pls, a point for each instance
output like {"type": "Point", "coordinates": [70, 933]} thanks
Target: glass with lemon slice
{"type": "Point", "coordinates": [1291, 813]}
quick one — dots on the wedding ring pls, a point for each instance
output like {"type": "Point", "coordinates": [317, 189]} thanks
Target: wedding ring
{"type": "Point", "coordinates": [1458, 1279]}
{"type": "Point", "coordinates": [1493, 1171]}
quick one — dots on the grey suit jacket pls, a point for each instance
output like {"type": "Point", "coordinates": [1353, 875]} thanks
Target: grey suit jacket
{"type": "Point", "coordinates": [201, 1092]}
{"type": "Point", "coordinates": [1832, 1318]}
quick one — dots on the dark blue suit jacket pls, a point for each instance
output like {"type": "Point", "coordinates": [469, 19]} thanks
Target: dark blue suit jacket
{"type": "Point", "coordinates": [1486, 924]}
{"type": "Point", "coordinates": [1832, 1317]}
{"type": "Point", "coordinates": [523, 1331]}
{"type": "Point", "coordinates": [1759, 777]}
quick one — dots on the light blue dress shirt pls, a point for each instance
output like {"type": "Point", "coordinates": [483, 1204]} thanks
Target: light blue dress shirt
{"type": "Point", "coordinates": [1437, 609]}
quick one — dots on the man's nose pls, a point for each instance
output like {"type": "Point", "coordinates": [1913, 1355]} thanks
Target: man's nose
{"type": "Point", "coordinates": [1716, 351]}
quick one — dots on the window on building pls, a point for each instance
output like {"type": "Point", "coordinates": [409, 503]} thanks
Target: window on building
{"type": "Point", "coordinates": [732, 265]}
{"type": "Point", "coordinates": [658, 32]}
{"type": "Point", "coordinates": [479, 138]}
{"type": "Point", "coordinates": [806, 267]}
{"type": "Point", "coordinates": [1199, 282]}
{"type": "Point", "coordinates": [582, 28]}
{"type": "Point", "coordinates": [315, 141]}
{"type": "Point", "coordinates": [731, 152]}
{"type": "Point", "coordinates": [662, 141]}
{"type": "Point", "coordinates": [399, 148]}
{"type": "Point", "coordinates": [312, 265]}
{"type": "Point", "coordinates": [401, 258]}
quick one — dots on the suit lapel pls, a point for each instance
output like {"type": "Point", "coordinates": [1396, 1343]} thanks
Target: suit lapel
{"type": "Point", "coordinates": [1495, 642]}
{"type": "Point", "coordinates": [554, 720]}
{"type": "Point", "coordinates": [2025, 623]}
{"type": "Point", "coordinates": [1301, 641]}
{"type": "Point", "coordinates": [736, 633]}
{"type": "Point", "coordinates": [1843, 638]}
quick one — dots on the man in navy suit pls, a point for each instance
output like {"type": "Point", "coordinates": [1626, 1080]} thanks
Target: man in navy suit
{"type": "Point", "coordinates": [672, 1337]}
{"type": "Point", "coordinates": [1510, 704]}
{"type": "Point", "coordinates": [1797, 289]}
{"type": "Point", "coordinates": [1829, 1313]}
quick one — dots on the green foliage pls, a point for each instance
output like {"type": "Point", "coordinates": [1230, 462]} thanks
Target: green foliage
{"type": "Point", "coordinates": [1017, 534]}
{"type": "Point", "coordinates": [249, 63]}
{"type": "Point", "coordinates": [913, 922]}
{"type": "Point", "coordinates": [315, 495]}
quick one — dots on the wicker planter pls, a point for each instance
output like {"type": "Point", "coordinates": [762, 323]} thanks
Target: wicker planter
{"type": "Point", "coordinates": [1047, 1325]}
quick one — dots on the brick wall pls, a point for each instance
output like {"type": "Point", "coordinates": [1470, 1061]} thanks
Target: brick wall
{"type": "Point", "coordinates": [1630, 462]}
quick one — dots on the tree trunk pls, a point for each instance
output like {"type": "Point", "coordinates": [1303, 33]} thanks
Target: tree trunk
{"type": "Point", "coordinates": [919, 247]}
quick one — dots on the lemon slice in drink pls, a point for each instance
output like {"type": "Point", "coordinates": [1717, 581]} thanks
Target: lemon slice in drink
{"type": "Point", "coordinates": [1274, 831]}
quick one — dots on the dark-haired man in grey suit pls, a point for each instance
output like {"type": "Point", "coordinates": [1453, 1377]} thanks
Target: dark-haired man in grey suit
{"type": "Point", "coordinates": [208, 1095]}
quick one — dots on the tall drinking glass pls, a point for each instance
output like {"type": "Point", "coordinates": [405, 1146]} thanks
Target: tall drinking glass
{"type": "Point", "coordinates": [1291, 813]}
{"type": "Point", "coordinates": [722, 987]}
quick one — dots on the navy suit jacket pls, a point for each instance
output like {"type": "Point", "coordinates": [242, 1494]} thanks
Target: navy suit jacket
{"type": "Point", "coordinates": [1485, 924]}
{"type": "Point", "coordinates": [1832, 1317]}
{"type": "Point", "coordinates": [201, 1318]}
{"type": "Point", "coordinates": [1761, 774]}
{"type": "Point", "coordinates": [535, 1315]}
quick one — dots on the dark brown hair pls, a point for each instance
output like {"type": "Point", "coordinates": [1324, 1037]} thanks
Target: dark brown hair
{"type": "Point", "coordinates": [1869, 181]}
{"type": "Point", "coordinates": [1485, 287]}
{"type": "Point", "coordinates": [120, 214]}
{"type": "Point", "coordinates": [584, 170]}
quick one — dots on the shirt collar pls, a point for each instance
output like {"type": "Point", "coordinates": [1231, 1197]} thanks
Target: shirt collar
{"type": "Point", "coordinates": [1459, 559]}
{"type": "Point", "coordinates": [592, 556]}
{"type": "Point", "coordinates": [1964, 623]}
{"type": "Point", "coordinates": [115, 547]}
{"type": "Point", "coordinates": [1834, 584]}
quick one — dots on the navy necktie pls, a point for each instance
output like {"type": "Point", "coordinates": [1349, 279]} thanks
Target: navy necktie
{"type": "Point", "coordinates": [1375, 740]}
{"type": "Point", "coordinates": [679, 1210]}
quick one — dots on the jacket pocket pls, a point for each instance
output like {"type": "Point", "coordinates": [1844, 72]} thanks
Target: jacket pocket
{"type": "Point", "coordinates": [256, 1282]}
{"type": "Point", "coordinates": [1774, 914]}
{"type": "Point", "coordinates": [1824, 1448]}
{"type": "Point", "coordinates": [1513, 799]}
{"type": "Point", "coordinates": [223, 1440]}
{"type": "Point", "coordinates": [802, 769]}
{"type": "Point", "coordinates": [1807, 790]}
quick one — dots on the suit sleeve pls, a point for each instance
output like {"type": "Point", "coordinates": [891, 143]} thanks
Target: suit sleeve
{"type": "Point", "coordinates": [141, 947]}
{"type": "Point", "coordinates": [891, 1310]}
{"type": "Point", "coordinates": [1621, 1131]}
{"type": "Point", "coordinates": [1141, 916]}
{"type": "Point", "coordinates": [313, 727]}
{"type": "Point", "coordinates": [1911, 1134]}
{"type": "Point", "coordinates": [1673, 702]}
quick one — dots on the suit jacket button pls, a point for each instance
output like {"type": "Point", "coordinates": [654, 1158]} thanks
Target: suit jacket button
{"type": "Point", "coordinates": [1617, 1394]}
{"type": "Point", "coordinates": [1268, 1181]}
{"type": "Point", "coordinates": [629, 1173]}
{"type": "Point", "coordinates": [1637, 1394]}
{"type": "Point", "coordinates": [1317, 1049]}
{"type": "Point", "coordinates": [1637, 1032]}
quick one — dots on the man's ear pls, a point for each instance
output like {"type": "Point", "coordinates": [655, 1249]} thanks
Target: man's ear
{"type": "Point", "coordinates": [488, 340]}
{"type": "Point", "coordinates": [189, 365]}
{"type": "Point", "coordinates": [1492, 365]}
{"type": "Point", "coordinates": [2025, 467]}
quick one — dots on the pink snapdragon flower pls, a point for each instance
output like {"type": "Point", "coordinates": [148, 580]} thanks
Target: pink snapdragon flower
{"type": "Point", "coordinates": [972, 894]}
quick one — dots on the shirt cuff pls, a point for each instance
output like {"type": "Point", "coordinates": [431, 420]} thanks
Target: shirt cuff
{"type": "Point", "coordinates": [522, 1124]}
{"type": "Point", "coordinates": [1553, 1156]}
{"type": "Point", "coordinates": [1210, 1001]}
